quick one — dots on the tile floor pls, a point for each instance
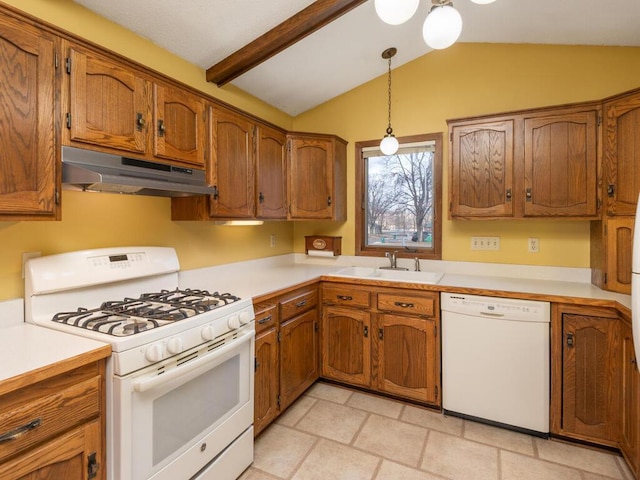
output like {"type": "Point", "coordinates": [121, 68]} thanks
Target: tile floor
{"type": "Point", "coordinates": [334, 433]}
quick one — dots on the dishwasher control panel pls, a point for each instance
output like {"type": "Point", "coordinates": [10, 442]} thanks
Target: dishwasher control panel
{"type": "Point", "coordinates": [496, 307]}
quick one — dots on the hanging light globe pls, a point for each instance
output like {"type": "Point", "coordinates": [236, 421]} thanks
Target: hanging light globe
{"type": "Point", "coordinates": [395, 12]}
{"type": "Point", "coordinates": [389, 144]}
{"type": "Point", "coordinates": [483, 2]}
{"type": "Point", "coordinates": [442, 27]}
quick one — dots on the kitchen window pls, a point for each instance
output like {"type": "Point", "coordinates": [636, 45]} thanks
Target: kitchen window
{"type": "Point", "coordinates": [398, 198]}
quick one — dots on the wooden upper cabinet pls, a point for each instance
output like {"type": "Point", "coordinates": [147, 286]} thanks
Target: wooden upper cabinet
{"type": "Point", "coordinates": [232, 169]}
{"type": "Point", "coordinates": [108, 103]}
{"type": "Point", "coordinates": [28, 171]}
{"type": "Point", "coordinates": [560, 165]}
{"type": "Point", "coordinates": [482, 169]}
{"type": "Point", "coordinates": [317, 177]}
{"type": "Point", "coordinates": [622, 153]}
{"type": "Point", "coordinates": [179, 125]}
{"type": "Point", "coordinates": [534, 163]}
{"type": "Point", "coordinates": [271, 174]}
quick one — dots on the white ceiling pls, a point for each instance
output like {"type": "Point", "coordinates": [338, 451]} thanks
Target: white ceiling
{"type": "Point", "coordinates": [346, 53]}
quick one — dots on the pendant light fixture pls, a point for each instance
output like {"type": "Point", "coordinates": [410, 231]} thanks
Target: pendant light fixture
{"type": "Point", "coordinates": [389, 144]}
{"type": "Point", "coordinates": [441, 28]}
{"type": "Point", "coordinates": [395, 12]}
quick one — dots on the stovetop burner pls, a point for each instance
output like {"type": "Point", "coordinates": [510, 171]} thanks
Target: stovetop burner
{"type": "Point", "coordinates": [151, 310]}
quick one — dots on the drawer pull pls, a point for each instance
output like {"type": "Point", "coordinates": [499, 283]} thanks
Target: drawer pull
{"type": "Point", "coordinates": [301, 304]}
{"type": "Point", "coordinates": [265, 319]}
{"type": "Point", "coordinates": [570, 340]}
{"type": "Point", "coordinates": [381, 334]}
{"type": "Point", "coordinates": [18, 432]}
{"type": "Point", "coordinates": [366, 332]}
{"type": "Point", "coordinates": [404, 305]}
{"type": "Point", "coordinates": [345, 297]}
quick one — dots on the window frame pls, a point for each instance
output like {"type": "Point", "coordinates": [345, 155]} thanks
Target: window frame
{"type": "Point", "coordinates": [362, 249]}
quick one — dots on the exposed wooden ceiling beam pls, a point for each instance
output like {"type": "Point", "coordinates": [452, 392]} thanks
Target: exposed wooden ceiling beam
{"type": "Point", "coordinates": [295, 28]}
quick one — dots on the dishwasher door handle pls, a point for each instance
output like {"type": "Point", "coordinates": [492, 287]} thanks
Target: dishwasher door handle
{"type": "Point", "coordinates": [491, 314]}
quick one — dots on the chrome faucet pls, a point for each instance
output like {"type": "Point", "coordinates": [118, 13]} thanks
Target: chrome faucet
{"type": "Point", "coordinates": [417, 264]}
{"type": "Point", "coordinates": [392, 258]}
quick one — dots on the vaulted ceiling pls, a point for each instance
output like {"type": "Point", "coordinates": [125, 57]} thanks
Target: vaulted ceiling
{"type": "Point", "coordinates": [345, 53]}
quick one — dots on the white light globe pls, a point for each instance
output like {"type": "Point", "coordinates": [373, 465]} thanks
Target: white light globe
{"type": "Point", "coordinates": [395, 12]}
{"type": "Point", "coordinates": [483, 2]}
{"type": "Point", "coordinates": [442, 27]}
{"type": "Point", "coordinates": [389, 145]}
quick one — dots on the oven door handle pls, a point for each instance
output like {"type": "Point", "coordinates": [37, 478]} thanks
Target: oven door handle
{"type": "Point", "coordinates": [147, 384]}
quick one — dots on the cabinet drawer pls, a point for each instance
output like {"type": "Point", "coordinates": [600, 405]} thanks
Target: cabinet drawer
{"type": "Point", "coordinates": [298, 302]}
{"type": "Point", "coordinates": [408, 304]}
{"type": "Point", "coordinates": [266, 316]}
{"type": "Point", "coordinates": [346, 297]}
{"type": "Point", "coordinates": [56, 411]}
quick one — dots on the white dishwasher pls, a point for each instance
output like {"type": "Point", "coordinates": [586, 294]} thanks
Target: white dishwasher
{"type": "Point", "coordinates": [495, 361]}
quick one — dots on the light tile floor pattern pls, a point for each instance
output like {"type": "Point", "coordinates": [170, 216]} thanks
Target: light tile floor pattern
{"type": "Point", "coordinates": [334, 433]}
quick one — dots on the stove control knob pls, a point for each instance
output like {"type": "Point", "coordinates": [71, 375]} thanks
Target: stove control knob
{"type": "Point", "coordinates": [208, 333]}
{"type": "Point", "coordinates": [154, 353]}
{"type": "Point", "coordinates": [175, 345]}
{"type": "Point", "coordinates": [245, 317]}
{"type": "Point", "coordinates": [233, 322]}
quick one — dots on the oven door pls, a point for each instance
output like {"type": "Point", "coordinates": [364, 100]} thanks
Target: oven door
{"type": "Point", "coordinates": [173, 418]}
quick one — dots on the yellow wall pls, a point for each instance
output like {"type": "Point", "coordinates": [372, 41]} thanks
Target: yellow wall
{"type": "Point", "coordinates": [104, 220]}
{"type": "Point", "coordinates": [467, 80]}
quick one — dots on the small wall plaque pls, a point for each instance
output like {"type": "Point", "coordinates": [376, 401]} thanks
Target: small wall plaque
{"type": "Point", "coordinates": [323, 246]}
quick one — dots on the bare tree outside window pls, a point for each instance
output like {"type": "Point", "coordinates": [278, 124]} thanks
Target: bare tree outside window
{"type": "Point", "coordinates": [400, 198]}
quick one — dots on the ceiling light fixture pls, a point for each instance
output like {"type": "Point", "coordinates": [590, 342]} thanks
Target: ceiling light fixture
{"type": "Point", "coordinates": [441, 28]}
{"type": "Point", "coordinates": [389, 144]}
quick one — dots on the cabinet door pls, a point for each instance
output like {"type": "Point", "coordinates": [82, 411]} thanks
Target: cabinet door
{"type": "Point", "coordinates": [75, 455]}
{"type": "Point", "coordinates": [179, 125]}
{"type": "Point", "coordinates": [346, 351]}
{"type": "Point", "coordinates": [271, 174]}
{"type": "Point", "coordinates": [311, 179]}
{"type": "Point", "coordinates": [109, 104]}
{"type": "Point", "coordinates": [630, 434]}
{"type": "Point", "coordinates": [622, 154]}
{"type": "Point", "coordinates": [619, 231]}
{"type": "Point", "coordinates": [28, 171]}
{"type": "Point", "coordinates": [298, 356]}
{"type": "Point", "coordinates": [590, 400]}
{"type": "Point", "coordinates": [482, 170]}
{"type": "Point", "coordinates": [406, 356]}
{"type": "Point", "coordinates": [560, 165]}
{"type": "Point", "coordinates": [266, 380]}
{"type": "Point", "coordinates": [232, 165]}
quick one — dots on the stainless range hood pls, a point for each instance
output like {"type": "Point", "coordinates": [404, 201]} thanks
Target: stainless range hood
{"type": "Point", "coordinates": [87, 170]}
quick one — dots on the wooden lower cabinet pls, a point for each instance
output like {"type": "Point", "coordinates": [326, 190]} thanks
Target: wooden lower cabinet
{"type": "Point", "coordinates": [630, 413]}
{"type": "Point", "coordinates": [299, 366]}
{"type": "Point", "coordinates": [406, 357]}
{"type": "Point", "coordinates": [384, 339]}
{"type": "Point", "coordinates": [287, 355]}
{"type": "Point", "coordinates": [346, 347]}
{"type": "Point", "coordinates": [57, 424]}
{"type": "Point", "coordinates": [586, 382]}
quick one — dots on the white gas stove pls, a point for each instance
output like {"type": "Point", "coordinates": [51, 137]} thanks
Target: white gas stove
{"type": "Point", "coordinates": [182, 361]}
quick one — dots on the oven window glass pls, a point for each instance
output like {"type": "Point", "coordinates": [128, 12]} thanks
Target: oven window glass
{"type": "Point", "coordinates": [183, 413]}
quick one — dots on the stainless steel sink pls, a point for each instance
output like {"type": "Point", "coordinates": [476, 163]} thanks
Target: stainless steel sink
{"type": "Point", "coordinates": [391, 275]}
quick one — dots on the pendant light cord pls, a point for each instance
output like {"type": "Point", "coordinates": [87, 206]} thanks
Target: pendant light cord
{"type": "Point", "coordinates": [389, 129]}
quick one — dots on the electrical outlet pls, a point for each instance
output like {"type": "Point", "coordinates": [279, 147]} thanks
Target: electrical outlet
{"type": "Point", "coordinates": [272, 240]}
{"type": "Point", "coordinates": [534, 245]}
{"type": "Point", "coordinates": [485, 243]}
{"type": "Point", "coordinates": [26, 256]}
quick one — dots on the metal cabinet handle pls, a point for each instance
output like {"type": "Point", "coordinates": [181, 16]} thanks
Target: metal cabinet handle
{"type": "Point", "coordinates": [256, 364]}
{"type": "Point", "coordinates": [265, 320]}
{"type": "Point", "coordinates": [345, 297]}
{"type": "Point", "coordinates": [301, 304]}
{"type": "Point", "coordinates": [528, 194]}
{"type": "Point", "coordinates": [329, 201]}
{"type": "Point", "coordinates": [366, 332]}
{"type": "Point", "coordinates": [508, 194]}
{"type": "Point", "coordinates": [611, 190]}
{"type": "Point", "coordinates": [161, 128]}
{"type": "Point", "coordinates": [570, 341]}
{"type": "Point", "coordinates": [261, 197]}
{"type": "Point", "coordinates": [404, 305]}
{"type": "Point", "coordinates": [381, 334]}
{"type": "Point", "coordinates": [20, 431]}
{"type": "Point", "coordinates": [140, 122]}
